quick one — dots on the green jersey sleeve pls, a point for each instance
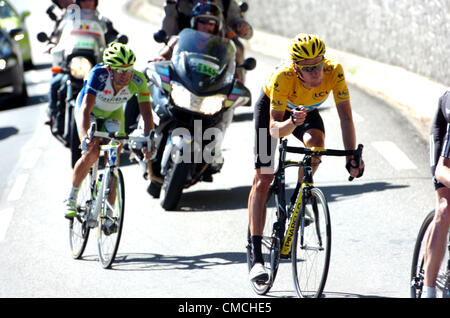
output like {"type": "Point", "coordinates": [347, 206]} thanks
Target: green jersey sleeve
{"type": "Point", "coordinates": [138, 86]}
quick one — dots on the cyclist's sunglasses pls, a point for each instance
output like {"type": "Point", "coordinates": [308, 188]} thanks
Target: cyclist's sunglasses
{"type": "Point", "coordinates": [207, 21]}
{"type": "Point", "coordinates": [310, 68]}
{"type": "Point", "coordinates": [123, 71]}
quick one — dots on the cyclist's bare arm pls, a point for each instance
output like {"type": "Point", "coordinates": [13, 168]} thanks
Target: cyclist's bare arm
{"type": "Point", "coordinates": [347, 127]}
{"type": "Point", "coordinates": [87, 105]}
{"type": "Point", "coordinates": [344, 110]}
{"type": "Point", "coordinates": [282, 128]}
{"type": "Point", "coordinates": [443, 171]}
{"type": "Point", "coordinates": [146, 112]}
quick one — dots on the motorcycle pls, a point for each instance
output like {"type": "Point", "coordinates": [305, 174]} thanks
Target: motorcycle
{"type": "Point", "coordinates": [193, 99]}
{"type": "Point", "coordinates": [80, 46]}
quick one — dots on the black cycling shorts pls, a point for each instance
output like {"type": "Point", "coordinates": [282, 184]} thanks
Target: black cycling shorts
{"type": "Point", "coordinates": [265, 144]}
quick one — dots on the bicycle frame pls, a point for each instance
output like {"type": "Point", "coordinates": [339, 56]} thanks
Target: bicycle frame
{"type": "Point", "coordinates": [307, 184]}
{"type": "Point", "coordinates": [111, 149]}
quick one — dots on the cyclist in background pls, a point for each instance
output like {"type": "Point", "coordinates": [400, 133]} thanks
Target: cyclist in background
{"type": "Point", "coordinates": [440, 168]}
{"type": "Point", "coordinates": [109, 86]}
{"type": "Point", "coordinates": [288, 105]}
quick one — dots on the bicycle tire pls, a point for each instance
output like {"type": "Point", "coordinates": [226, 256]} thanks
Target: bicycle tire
{"type": "Point", "coordinates": [78, 226]}
{"type": "Point", "coordinates": [270, 247]}
{"type": "Point", "coordinates": [311, 260]}
{"type": "Point", "coordinates": [417, 265]}
{"type": "Point", "coordinates": [110, 222]}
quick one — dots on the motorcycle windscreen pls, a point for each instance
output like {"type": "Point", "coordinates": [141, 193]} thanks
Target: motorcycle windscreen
{"type": "Point", "coordinates": [203, 62]}
{"type": "Point", "coordinates": [82, 30]}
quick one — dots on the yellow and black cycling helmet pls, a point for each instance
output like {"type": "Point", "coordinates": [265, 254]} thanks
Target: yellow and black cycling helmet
{"type": "Point", "coordinates": [118, 55]}
{"type": "Point", "coordinates": [305, 47]}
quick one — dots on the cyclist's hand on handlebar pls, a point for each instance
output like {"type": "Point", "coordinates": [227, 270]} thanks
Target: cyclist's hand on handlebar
{"type": "Point", "coordinates": [353, 168]}
{"type": "Point", "coordinates": [298, 116]}
{"type": "Point", "coordinates": [148, 154]}
{"type": "Point", "coordinates": [87, 144]}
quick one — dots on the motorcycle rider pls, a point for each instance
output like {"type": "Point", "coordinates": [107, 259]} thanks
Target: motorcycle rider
{"type": "Point", "coordinates": [109, 85]}
{"type": "Point", "coordinates": [62, 6]}
{"type": "Point", "coordinates": [57, 85]}
{"type": "Point", "coordinates": [178, 16]}
{"type": "Point", "coordinates": [205, 17]}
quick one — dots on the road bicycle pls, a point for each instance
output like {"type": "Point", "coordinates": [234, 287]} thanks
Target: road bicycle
{"type": "Point", "coordinates": [101, 200]}
{"type": "Point", "coordinates": [301, 231]}
{"type": "Point", "coordinates": [417, 267]}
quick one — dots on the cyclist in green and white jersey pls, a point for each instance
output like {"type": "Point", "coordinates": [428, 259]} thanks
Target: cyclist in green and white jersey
{"type": "Point", "coordinates": [108, 87]}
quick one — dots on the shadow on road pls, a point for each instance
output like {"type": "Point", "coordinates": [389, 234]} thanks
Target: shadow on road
{"type": "Point", "coordinates": [158, 262]}
{"type": "Point", "coordinates": [6, 132]}
{"type": "Point", "coordinates": [237, 198]}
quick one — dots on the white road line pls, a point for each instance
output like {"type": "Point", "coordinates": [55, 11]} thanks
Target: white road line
{"type": "Point", "coordinates": [357, 118]}
{"type": "Point", "coordinates": [18, 187]}
{"type": "Point", "coordinates": [394, 155]}
{"type": "Point", "coordinates": [5, 219]}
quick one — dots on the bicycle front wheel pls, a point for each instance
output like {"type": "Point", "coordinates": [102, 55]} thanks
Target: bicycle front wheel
{"type": "Point", "coordinates": [110, 220]}
{"type": "Point", "coordinates": [78, 227]}
{"type": "Point", "coordinates": [311, 253]}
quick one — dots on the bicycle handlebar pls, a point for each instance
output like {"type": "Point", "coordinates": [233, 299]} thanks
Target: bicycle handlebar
{"type": "Point", "coordinates": [94, 133]}
{"type": "Point", "coordinates": [357, 153]}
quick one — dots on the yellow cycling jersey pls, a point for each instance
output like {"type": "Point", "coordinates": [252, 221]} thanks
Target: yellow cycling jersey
{"type": "Point", "coordinates": [285, 89]}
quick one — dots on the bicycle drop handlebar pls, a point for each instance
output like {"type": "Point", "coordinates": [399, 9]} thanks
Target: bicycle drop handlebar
{"type": "Point", "coordinates": [357, 153]}
{"type": "Point", "coordinates": [94, 133]}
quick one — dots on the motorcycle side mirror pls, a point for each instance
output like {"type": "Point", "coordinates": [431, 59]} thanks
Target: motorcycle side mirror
{"type": "Point", "coordinates": [160, 36]}
{"type": "Point", "coordinates": [249, 64]}
{"type": "Point", "coordinates": [122, 39]}
{"type": "Point", "coordinates": [42, 37]}
{"type": "Point", "coordinates": [243, 6]}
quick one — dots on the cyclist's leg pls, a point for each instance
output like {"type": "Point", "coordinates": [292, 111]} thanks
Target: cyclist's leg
{"type": "Point", "coordinates": [81, 170]}
{"type": "Point", "coordinates": [311, 134]}
{"type": "Point", "coordinates": [264, 153]}
{"type": "Point", "coordinates": [437, 238]}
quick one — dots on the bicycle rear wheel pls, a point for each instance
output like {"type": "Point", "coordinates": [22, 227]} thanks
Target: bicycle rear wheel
{"type": "Point", "coordinates": [110, 220]}
{"type": "Point", "coordinates": [270, 248]}
{"type": "Point", "coordinates": [417, 266]}
{"type": "Point", "coordinates": [311, 258]}
{"type": "Point", "coordinates": [78, 226]}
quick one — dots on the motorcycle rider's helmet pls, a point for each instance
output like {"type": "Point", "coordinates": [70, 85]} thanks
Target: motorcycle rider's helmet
{"type": "Point", "coordinates": [77, 2]}
{"type": "Point", "coordinates": [207, 10]}
{"type": "Point", "coordinates": [58, 4]}
{"type": "Point", "coordinates": [306, 47]}
{"type": "Point", "coordinates": [116, 55]}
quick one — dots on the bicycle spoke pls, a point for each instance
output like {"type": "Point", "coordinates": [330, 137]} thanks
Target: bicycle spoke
{"type": "Point", "coordinates": [110, 223]}
{"type": "Point", "coordinates": [311, 256]}
{"type": "Point", "coordinates": [78, 229]}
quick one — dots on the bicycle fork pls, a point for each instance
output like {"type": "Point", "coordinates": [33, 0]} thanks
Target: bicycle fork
{"type": "Point", "coordinates": [99, 203]}
{"type": "Point", "coordinates": [286, 248]}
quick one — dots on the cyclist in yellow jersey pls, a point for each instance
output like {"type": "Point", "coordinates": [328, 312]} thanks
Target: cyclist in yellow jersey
{"type": "Point", "coordinates": [288, 105]}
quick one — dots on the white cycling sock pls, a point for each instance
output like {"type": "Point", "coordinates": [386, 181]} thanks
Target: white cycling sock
{"type": "Point", "coordinates": [74, 193]}
{"type": "Point", "coordinates": [428, 292]}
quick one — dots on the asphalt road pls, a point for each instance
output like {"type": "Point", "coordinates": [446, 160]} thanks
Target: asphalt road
{"type": "Point", "coordinates": [199, 251]}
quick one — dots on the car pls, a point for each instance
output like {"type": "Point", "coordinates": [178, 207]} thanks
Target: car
{"type": "Point", "coordinates": [10, 20]}
{"type": "Point", "coordinates": [12, 80]}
